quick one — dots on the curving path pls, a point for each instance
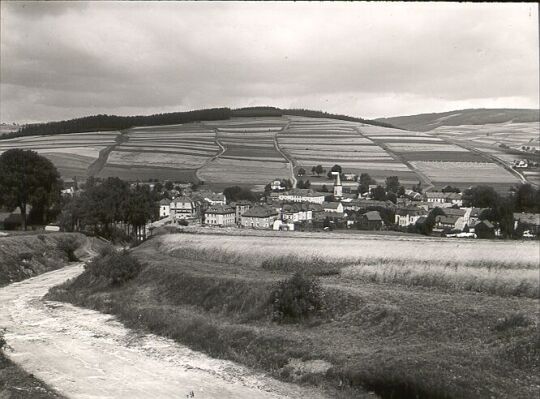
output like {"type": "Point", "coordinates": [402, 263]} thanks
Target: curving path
{"type": "Point", "coordinates": [86, 354]}
{"type": "Point", "coordinates": [284, 155]}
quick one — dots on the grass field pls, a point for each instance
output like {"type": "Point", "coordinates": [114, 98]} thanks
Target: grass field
{"type": "Point", "coordinates": [403, 317]}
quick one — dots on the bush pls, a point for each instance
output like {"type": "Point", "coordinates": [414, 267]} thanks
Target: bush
{"type": "Point", "coordinates": [115, 267]}
{"type": "Point", "coordinates": [512, 320]}
{"type": "Point", "coordinates": [297, 298]}
{"type": "Point", "coordinates": [68, 245]}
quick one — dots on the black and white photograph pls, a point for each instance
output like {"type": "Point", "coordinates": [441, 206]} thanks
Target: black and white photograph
{"type": "Point", "coordinates": [269, 200]}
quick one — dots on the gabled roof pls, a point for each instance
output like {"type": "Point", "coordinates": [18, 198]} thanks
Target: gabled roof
{"type": "Point", "coordinates": [411, 212]}
{"type": "Point", "coordinates": [331, 205]}
{"type": "Point", "coordinates": [454, 212]}
{"type": "Point", "coordinates": [373, 216]}
{"type": "Point", "coordinates": [260, 212]}
{"type": "Point", "coordinates": [447, 219]}
{"type": "Point", "coordinates": [220, 209]}
{"type": "Point", "coordinates": [528, 218]}
{"type": "Point", "coordinates": [165, 201]}
{"type": "Point", "coordinates": [487, 223]}
{"type": "Point", "coordinates": [182, 198]}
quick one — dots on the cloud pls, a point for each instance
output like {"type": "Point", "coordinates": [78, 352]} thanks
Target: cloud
{"type": "Point", "coordinates": [62, 60]}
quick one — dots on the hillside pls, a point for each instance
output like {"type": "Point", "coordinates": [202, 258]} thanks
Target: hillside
{"type": "Point", "coordinates": [251, 151]}
{"type": "Point", "coordinates": [425, 122]}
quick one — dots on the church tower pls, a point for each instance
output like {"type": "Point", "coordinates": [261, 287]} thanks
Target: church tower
{"type": "Point", "coordinates": [338, 188]}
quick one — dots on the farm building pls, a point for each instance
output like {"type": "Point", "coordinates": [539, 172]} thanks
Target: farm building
{"type": "Point", "coordinates": [215, 199]}
{"type": "Point", "coordinates": [329, 219]}
{"type": "Point", "coordinates": [220, 215]}
{"type": "Point", "coordinates": [413, 195]}
{"type": "Point", "coordinates": [444, 199]}
{"type": "Point", "coordinates": [364, 204]}
{"type": "Point", "coordinates": [484, 229]}
{"type": "Point", "coordinates": [276, 186]}
{"type": "Point", "coordinates": [302, 195]}
{"type": "Point", "coordinates": [333, 207]}
{"type": "Point", "coordinates": [183, 208]}
{"type": "Point", "coordinates": [296, 212]}
{"type": "Point", "coordinates": [259, 217]}
{"type": "Point", "coordinates": [407, 216]}
{"type": "Point", "coordinates": [164, 208]}
{"type": "Point", "coordinates": [443, 223]}
{"type": "Point", "coordinates": [370, 221]}
{"type": "Point", "coordinates": [350, 176]}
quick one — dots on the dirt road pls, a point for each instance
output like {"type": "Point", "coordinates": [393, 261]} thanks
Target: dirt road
{"type": "Point", "coordinates": [86, 354]}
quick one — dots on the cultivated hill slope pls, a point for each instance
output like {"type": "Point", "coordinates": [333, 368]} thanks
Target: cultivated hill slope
{"type": "Point", "coordinates": [425, 122]}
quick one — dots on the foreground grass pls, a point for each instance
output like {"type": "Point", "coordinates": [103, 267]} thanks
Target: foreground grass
{"type": "Point", "coordinates": [399, 341]}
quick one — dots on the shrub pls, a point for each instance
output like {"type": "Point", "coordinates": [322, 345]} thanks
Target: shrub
{"type": "Point", "coordinates": [297, 298]}
{"type": "Point", "coordinates": [183, 222]}
{"type": "Point", "coordinates": [116, 267]}
{"type": "Point", "coordinates": [25, 256]}
{"type": "Point", "coordinates": [512, 320]}
{"type": "Point", "coordinates": [68, 245]}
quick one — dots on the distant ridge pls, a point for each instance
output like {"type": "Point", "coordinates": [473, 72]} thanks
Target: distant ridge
{"type": "Point", "coordinates": [114, 122]}
{"type": "Point", "coordinates": [425, 122]}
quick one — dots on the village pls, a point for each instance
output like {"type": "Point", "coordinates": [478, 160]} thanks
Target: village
{"type": "Point", "coordinates": [304, 209]}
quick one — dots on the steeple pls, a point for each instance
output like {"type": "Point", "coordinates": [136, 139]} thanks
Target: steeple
{"type": "Point", "coordinates": [338, 189]}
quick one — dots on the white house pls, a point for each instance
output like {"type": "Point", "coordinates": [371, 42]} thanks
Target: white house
{"type": "Point", "coordinates": [336, 207]}
{"type": "Point", "coordinates": [220, 215]}
{"type": "Point", "coordinates": [183, 208]}
{"type": "Point", "coordinates": [215, 199]}
{"type": "Point", "coordinates": [444, 199]}
{"type": "Point", "coordinates": [164, 208]}
{"type": "Point", "coordinates": [302, 195]}
{"type": "Point", "coordinates": [259, 217]}
{"type": "Point", "coordinates": [406, 217]}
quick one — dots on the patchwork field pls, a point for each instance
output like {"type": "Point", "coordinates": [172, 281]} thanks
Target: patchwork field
{"type": "Point", "coordinates": [72, 154]}
{"type": "Point", "coordinates": [251, 151]}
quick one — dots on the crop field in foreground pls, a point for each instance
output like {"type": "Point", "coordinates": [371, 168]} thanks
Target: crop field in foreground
{"type": "Point", "coordinates": [407, 317]}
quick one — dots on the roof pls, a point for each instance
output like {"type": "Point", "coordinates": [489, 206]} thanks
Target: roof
{"type": "Point", "coordinates": [373, 216]}
{"type": "Point", "coordinates": [411, 212]}
{"type": "Point", "coordinates": [182, 198]}
{"type": "Point", "coordinates": [220, 209]}
{"type": "Point", "coordinates": [447, 219]}
{"type": "Point", "coordinates": [214, 197]}
{"type": "Point", "coordinates": [487, 223]}
{"type": "Point", "coordinates": [260, 212]}
{"type": "Point", "coordinates": [528, 218]}
{"type": "Point", "coordinates": [241, 203]}
{"type": "Point", "coordinates": [165, 201]}
{"type": "Point", "coordinates": [303, 192]}
{"type": "Point", "coordinates": [438, 194]}
{"type": "Point", "coordinates": [331, 205]}
{"type": "Point", "coordinates": [454, 212]}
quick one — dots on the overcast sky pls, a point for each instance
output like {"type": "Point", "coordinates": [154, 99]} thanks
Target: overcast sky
{"type": "Point", "coordinates": [63, 60]}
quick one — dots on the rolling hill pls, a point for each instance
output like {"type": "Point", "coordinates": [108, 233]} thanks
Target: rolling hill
{"type": "Point", "coordinates": [426, 122]}
{"type": "Point", "coordinates": [253, 150]}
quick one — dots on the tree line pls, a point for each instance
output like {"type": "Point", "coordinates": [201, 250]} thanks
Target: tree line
{"type": "Point", "coordinates": [105, 122]}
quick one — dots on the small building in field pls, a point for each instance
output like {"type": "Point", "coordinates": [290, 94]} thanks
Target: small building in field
{"type": "Point", "coordinates": [220, 215]}
{"type": "Point", "coordinates": [370, 221]}
{"type": "Point", "coordinates": [333, 207]}
{"type": "Point", "coordinates": [350, 176]}
{"type": "Point", "coordinates": [164, 208]}
{"type": "Point", "coordinates": [259, 217]}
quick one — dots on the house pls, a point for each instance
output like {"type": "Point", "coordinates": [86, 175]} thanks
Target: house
{"type": "Point", "coordinates": [215, 199]}
{"type": "Point", "coordinates": [164, 208]}
{"type": "Point", "coordinates": [529, 221]}
{"type": "Point", "coordinates": [365, 204]}
{"type": "Point", "coordinates": [296, 212]}
{"type": "Point", "coordinates": [283, 225]}
{"type": "Point", "coordinates": [350, 176]}
{"type": "Point", "coordinates": [407, 216]}
{"type": "Point", "coordinates": [302, 195]}
{"type": "Point", "coordinates": [220, 215]}
{"type": "Point", "coordinates": [276, 186]}
{"type": "Point", "coordinates": [240, 208]}
{"type": "Point", "coordinates": [259, 217]}
{"type": "Point", "coordinates": [183, 208]}
{"type": "Point", "coordinates": [484, 229]}
{"type": "Point", "coordinates": [413, 195]}
{"type": "Point", "coordinates": [370, 221]}
{"type": "Point", "coordinates": [444, 199]}
{"type": "Point", "coordinates": [443, 223]}
{"type": "Point", "coordinates": [330, 219]}
{"type": "Point", "coordinates": [333, 207]}
{"type": "Point", "coordinates": [472, 216]}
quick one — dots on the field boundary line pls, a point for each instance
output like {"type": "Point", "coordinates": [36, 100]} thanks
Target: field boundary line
{"type": "Point", "coordinates": [95, 167]}
{"type": "Point", "coordinates": [290, 160]}
{"type": "Point", "coordinates": [222, 150]}
{"type": "Point", "coordinates": [423, 177]}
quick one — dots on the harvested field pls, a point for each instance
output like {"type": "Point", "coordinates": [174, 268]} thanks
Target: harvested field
{"type": "Point", "coordinates": [465, 172]}
{"type": "Point", "coordinates": [243, 171]}
{"type": "Point", "coordinates": [144, 173]}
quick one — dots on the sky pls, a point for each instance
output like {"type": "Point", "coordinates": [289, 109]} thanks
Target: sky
{"type": "Point", "coordinates": [60, 60]}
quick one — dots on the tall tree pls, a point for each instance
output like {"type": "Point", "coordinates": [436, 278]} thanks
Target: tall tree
{"type": "Point", "coordinates": [365, 181]}
{"type": "Point", "coordinates": [27, 178]}
{"type": "Point", "coordinates": [392, 184]}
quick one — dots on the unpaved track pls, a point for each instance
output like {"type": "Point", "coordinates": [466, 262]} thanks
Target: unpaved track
{"type": "Point", "coordinates": [86, 354]}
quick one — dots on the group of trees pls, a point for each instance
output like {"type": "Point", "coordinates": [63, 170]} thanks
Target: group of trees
{"type": "Point", "coordinates": [26, 178]}
{"type": "Point", "coordinates": [303, 184]}
{"type": "Point", "coordinates": [110, 208]}
{"type": "Point", "coordinates": [237, 193]}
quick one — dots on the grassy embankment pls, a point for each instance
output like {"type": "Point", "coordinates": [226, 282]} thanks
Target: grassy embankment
{"type": "Point", "coordinates": [23, 256]}
{"type": "Point", "coordinates": [404, 317]}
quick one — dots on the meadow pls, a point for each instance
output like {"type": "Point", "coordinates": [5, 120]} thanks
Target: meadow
{"type": "Point", "coordinates": [408, 317]}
